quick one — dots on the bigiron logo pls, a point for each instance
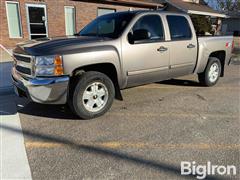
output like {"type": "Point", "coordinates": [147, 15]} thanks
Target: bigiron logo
{"type": "Point", "coordinates": [202, 171]}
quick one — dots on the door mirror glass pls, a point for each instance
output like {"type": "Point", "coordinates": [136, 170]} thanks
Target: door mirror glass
{"type": "Point", "coordinates": [130, 38]}
{"type": "Point", "coordinates": [138, 36]}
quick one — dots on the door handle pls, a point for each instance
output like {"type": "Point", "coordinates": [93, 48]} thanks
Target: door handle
{"type": "Point", "coordinates": [162, 49]}
{"type": "Point", "coordinates": [190, 46]}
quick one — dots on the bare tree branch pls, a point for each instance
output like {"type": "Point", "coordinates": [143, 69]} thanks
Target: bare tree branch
{"type": "Point", "coordinates": [228, 5]}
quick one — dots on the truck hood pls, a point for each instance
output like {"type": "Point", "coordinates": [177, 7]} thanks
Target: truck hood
{"type": "Point", "coordinates": [57, 45]}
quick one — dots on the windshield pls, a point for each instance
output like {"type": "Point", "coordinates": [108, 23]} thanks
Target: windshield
{"type": "Point", "coordinates": [111, 26]}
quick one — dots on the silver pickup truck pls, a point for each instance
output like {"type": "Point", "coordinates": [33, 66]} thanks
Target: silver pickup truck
{"type": "Point", "coordinates": [114, 52]}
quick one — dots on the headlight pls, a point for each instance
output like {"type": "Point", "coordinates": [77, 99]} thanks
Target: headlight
{"type": "Point", "coordinates": [49, 66]}
{"type": "Point", "coordinates": [45, 60]}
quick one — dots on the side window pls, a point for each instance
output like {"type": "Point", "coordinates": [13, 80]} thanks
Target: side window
{"type": "Point", "coordinates": [148, 28]}
{"type": "Point", "coordinates": [179, 28]}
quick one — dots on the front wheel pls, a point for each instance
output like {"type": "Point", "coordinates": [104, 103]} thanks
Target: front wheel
{"type": "Point", "coordinates": [212, 72]}
{"type": "Point", "coordinates": [92, 96]}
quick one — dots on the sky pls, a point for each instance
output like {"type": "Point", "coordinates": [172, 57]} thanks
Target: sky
{"type": "Point", "coordinates": [212, 3]}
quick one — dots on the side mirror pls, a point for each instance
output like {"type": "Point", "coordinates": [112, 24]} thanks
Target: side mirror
{"type": "Point", "coordinates": [130, 38]}
{"type": "Point", "coordinates": [138, 35]}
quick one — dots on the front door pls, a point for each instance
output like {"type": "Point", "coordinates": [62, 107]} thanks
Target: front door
{"type": "Point", "coordinates": [37, 21]}
{"type": "Point", "coordinates": [146, 54]}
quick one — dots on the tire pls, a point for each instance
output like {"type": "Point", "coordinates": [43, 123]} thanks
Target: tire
{"type": "Point", "coordinates": [92, 95]}
{"type": "Point", "coordinates": [212, 73]}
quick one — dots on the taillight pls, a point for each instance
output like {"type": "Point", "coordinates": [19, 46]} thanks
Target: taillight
{"type": "Point", "coordinates": [228, 45]}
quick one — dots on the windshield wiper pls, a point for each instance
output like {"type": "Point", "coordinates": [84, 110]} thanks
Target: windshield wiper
{"type": "Point", "coordinates": [77, 34]}
{"type": "Point", "coordinates": [90, 34]}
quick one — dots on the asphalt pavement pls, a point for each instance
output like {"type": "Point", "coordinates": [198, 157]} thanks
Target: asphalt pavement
{"type": "Point", "coordinates": [146, 136]}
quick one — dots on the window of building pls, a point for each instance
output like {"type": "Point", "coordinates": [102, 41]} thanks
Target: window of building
{"type": "Point", "coordinates": [179, 28]}
{"type": "Point", "coordinates": [70, 20]}
{"type": "Point", "coordinates": [13, 17]}
{"type": "Point", "coordinates": [148, 29]}
{"type": "Point", "coordinates": [37, 20]}
{"type": "Point", "coordinates": [103, 11]}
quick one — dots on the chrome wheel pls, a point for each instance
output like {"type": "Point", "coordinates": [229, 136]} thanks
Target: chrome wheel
{"type": "Point", "coordinates": [95, 97]}
{"type": "Point", "coordinates": [213, 73]}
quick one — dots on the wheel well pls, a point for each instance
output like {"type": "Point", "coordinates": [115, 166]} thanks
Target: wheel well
{"type": "Point", "coordinates": [105, 68]}
{"type": "Point", "coordinates": [221, 55]}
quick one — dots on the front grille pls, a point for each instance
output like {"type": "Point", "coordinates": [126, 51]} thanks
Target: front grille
{"type": "Point", "coordinates": [23, 70]}
{"type": "Point", "coordinates": [24, 64]}
{"type": "Point", "coordinates": [23, 58]}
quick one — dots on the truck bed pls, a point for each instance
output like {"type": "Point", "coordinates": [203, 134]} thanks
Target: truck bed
{"type": "Point", "coordinates": [210, 44]}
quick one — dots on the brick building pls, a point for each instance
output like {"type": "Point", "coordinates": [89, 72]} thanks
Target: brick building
{"type": "Point", "coordinates": [22, 20]}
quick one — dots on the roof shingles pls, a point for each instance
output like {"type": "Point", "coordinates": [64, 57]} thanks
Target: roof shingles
{"type": "Point", "coordinates": [188, 6]}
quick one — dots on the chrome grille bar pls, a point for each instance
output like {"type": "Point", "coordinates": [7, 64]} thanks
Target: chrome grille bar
{"type": "Point", "coordinates": [24, 64]}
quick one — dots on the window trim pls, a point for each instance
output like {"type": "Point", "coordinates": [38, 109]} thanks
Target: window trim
{"type": "Point", "coordinates": [75, 18]}
{"type": "Point", "coordinates": [182, 39]}
{"type": "Point", "coordinates": [115, 10]}
{"type": "Point", "coordinates": [20, 19]}
{"type": "Point", "coordinates": [149, 41]}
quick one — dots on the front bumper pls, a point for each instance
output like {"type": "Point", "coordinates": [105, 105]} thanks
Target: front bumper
{"type": "Point", "coordinates": [42, 90]}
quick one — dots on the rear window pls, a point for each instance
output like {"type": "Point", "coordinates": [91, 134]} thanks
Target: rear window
{"type": "Point", "coordinates": [179, 28]}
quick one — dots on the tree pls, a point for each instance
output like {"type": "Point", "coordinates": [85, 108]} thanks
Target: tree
{"type": "Point", "coordinates": [225, 5]}
{"type": "Point", "coordinates": [202, 24]}
{"type": "Point", "coordinates": [228, 5]}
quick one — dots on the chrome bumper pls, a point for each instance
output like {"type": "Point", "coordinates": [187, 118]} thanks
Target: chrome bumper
{"type": "Point", "coordinates": [42, 90]}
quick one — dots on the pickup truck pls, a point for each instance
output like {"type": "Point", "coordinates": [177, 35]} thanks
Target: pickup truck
{"type": "Point", "coordinates": [87, 71]}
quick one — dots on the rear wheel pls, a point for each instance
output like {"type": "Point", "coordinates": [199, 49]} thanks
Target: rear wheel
{"type": "Point", "coordinates": [212, 72]}
{"type": "Point", "coordinates": [92, 96]}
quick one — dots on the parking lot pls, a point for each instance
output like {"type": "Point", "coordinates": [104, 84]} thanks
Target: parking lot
{"type": "Point", "coordinates": [146, 136]}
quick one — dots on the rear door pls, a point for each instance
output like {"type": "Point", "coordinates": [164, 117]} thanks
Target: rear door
{"type": "Point", "coordinates": [183, 45]}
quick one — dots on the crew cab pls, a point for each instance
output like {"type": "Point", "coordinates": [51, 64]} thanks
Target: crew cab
{"type": "Point", "coordinates": [114, 52]}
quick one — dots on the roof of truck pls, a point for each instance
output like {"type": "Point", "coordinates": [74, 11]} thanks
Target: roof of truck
{"type": "Point", "coordinates": [149, 11]}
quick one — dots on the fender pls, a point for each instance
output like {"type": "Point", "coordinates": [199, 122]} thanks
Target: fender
{"type": "Point", "coordinates": [92, 56]}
